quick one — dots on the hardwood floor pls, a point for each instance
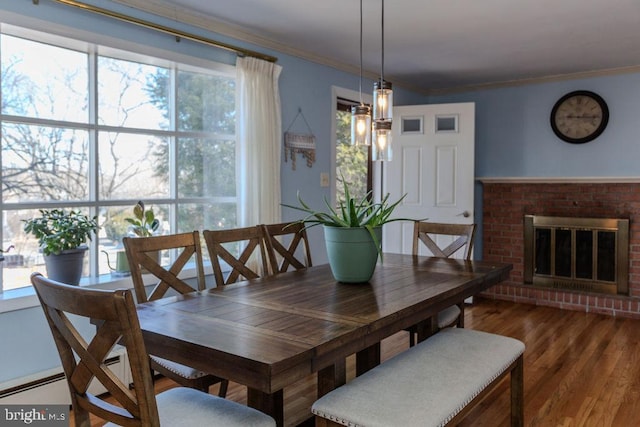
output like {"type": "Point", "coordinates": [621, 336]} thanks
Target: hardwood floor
{"type": "Point", "coordinates": [580, 369]}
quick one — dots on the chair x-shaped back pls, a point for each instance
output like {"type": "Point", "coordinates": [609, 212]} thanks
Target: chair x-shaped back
{"type": "Point", "coordinates": [82, 361]}
{"type": "Point", "coordinates": [250, 240]}
{"type": "Point", "coordinates": [426, 233]}
{"type": "Point", "coordinates": [143, 254]}
{"type": "Point", "coordinates": [273, 236]}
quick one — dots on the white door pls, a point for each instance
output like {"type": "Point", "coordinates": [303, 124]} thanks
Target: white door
{"type": "Point", "coordinates": [433, 164]}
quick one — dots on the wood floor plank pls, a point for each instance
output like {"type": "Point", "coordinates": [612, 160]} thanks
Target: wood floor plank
{"type": "Point", "coordinates": [580, 369]}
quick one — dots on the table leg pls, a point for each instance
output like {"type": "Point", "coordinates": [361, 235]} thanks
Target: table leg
{"type": "Point", "coordinates": [367, 359]}
{"type": "Point", "coordinates": [427, 328]}
{"type": "Point", "coordinates": [271, 404]}
{"type": "Point", "coordinates": [332, 377]}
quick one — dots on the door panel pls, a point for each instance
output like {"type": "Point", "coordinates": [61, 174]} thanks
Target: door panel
{"type": "Point", "coordinates": [446, 170]}
{"type": "Point", "coordinates": [433, 164]}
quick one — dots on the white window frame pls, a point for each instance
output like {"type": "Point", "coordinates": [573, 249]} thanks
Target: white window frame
{"type": "Point", "coordinates": [96, 44]}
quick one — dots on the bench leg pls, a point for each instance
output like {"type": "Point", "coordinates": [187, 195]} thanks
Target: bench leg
{"type": "Point", "coordinates": [517, 394]}
{"type": "Point", "coordinates": [323, 422]}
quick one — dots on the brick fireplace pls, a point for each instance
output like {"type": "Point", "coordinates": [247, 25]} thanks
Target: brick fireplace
{"type": "Point", "coordinates": [507, 201]}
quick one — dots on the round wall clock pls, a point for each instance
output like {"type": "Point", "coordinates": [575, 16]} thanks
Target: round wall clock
{"type": "Point", "coordinates": [579, 117]}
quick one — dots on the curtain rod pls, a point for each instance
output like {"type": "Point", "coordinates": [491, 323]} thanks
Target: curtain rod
{"type": "Point", "coordinates": [178, 34]}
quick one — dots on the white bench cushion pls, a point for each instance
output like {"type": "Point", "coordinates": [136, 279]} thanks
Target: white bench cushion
{"type": "Point", "coordinates": [448, 316]}
{"type": "Point", "coordinates": [182, 406]}
{"type": "Point", "coordinates": [184, 371]}
{"type": "Point", "coordinates": [426, 385]}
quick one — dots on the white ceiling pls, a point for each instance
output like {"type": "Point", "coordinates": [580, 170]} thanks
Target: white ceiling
{"type": "Point", "coordinates": [433, 45]}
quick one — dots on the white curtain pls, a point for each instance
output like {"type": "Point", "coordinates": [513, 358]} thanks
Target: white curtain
{"type": "Point", "coordinates": [259, 141]}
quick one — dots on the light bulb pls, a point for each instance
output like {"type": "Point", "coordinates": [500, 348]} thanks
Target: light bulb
{"type": "Point", "coordinates": [383, 101]}
{"type": "Point", "coordinates": [382, 141]}
{"type": "Point", "coordinates": [361, 125]}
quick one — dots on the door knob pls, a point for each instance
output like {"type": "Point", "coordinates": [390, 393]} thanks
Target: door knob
{"type": "Point", "coordinates": [465, 214]}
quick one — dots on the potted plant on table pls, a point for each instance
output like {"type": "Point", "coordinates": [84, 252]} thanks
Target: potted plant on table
{"type": "Point", "coordinates": [62, 236]}
{"type": "Point", "coordinates": [353, 233]}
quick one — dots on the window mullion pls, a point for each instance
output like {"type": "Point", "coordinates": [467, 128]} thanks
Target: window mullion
{"type": "Point", "coordinates": [173, 143]}
{"type": "Point", "coordinates": [58, 118]}
{"type": "Point", "coordinates": [93, 153]}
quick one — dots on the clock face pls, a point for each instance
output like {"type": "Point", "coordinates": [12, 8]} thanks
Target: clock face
{"type": "Point", "coordinates": [579, 117]}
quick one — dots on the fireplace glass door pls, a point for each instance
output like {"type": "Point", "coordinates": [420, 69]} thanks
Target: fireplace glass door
{"type": "Point", "coordinates": [577, 253]}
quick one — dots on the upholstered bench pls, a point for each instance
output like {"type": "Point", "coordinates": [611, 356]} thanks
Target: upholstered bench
{"type": "Point", "coordinates": [434, 383]}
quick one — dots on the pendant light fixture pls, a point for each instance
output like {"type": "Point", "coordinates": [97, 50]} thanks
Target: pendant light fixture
{"type": "Point", "coordinates": [382, 141]}
{"type": "Point", "coordinates": [382, 110]}
{"type": "Point", "coordinates": [361, 114]}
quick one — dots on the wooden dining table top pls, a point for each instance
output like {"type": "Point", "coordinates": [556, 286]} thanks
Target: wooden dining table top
{"type": "Point", "coordinates": [269, 332]}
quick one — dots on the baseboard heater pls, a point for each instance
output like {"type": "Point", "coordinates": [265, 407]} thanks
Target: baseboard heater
{"type": "Point", "coordinates": [50, 386]}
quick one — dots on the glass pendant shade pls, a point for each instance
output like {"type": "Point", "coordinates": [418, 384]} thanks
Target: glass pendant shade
{"type": "Point", "coordinates": [382, 101]}
{"type": "Point", "coordinates": [381, 150]}
{"type": "Point", "coordinates": [360, 125]}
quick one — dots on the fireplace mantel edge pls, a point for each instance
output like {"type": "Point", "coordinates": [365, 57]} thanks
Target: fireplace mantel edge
{"type": "Point", "coordinates": [559, 180]}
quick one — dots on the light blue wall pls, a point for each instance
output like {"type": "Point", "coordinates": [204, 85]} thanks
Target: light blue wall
{"type": "Point", "coordinates": [25, 343]}
{"type": "Point", "coordinates": [308, 86]}
{"type": "Point", "coordinates": [514, 137]}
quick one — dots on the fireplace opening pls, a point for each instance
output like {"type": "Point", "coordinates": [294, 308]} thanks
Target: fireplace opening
{"type": "Point", "coordinates": [585, 254]}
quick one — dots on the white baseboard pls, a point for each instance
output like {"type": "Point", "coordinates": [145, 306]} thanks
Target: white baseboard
{"type": "Point", "coordinates": [50, 386]}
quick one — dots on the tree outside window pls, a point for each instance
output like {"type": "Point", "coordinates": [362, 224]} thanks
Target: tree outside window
{"type": "Point", "coordinates": [352, 162]}
{"type": "Point", "coordinates": [163, 133]}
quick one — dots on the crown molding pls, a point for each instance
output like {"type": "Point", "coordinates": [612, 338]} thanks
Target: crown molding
{"type": "Point", "coordinates": [165, 10]}
{"type": "Point", "coordinates": [537, 80]}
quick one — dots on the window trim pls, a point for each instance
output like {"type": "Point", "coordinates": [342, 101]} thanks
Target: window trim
{"type": "Point", "coordinates": [95, 44]}
{"type": "Point", "coordinates": [342, 95]}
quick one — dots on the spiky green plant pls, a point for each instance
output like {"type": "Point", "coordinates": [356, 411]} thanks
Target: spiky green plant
{"type": "Point", "coordinates": [351, 213]}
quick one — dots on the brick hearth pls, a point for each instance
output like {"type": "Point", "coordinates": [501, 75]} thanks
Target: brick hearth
{"type": "Point", "coordinates": [506, 203]}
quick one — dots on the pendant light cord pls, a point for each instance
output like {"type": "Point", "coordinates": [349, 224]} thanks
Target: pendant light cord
{"type": "Point", "coordinates": [382, 38]}
{"type": "Point", "coordinates": [361, 103]}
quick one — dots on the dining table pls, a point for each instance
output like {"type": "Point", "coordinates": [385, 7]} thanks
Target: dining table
{"type": "Point", "coordinates": [270, 332]}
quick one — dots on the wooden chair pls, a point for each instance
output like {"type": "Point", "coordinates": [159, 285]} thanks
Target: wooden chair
{"type": "Point", "coordinates": [427, 233]}
{"type": "Point", "coordinates": [287, 246]}
{"type": "Point", "coordinates": [143, 255]}
{"type": "Point", "coordinates": [236, 247]}
{"type": "Point", "coordinates": [84, 361]}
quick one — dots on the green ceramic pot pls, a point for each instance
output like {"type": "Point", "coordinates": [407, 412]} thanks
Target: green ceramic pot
{"type": "Point", "coordinates": [352, 253]}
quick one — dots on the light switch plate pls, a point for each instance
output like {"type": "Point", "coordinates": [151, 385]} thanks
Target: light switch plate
{"type": "Point", "coordinates": [324, 179]}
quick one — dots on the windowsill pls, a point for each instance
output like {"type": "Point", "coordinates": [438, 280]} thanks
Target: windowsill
{"type": "Point", "coordinates": [23, 298]}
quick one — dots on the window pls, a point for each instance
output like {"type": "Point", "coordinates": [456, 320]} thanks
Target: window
{"type": "Point", "coordinates": [353, 163]}
{"type": "Point", "coordinates": [95, 129]}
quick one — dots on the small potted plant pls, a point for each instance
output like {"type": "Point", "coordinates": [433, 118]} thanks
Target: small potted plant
{"type": "Point", "coordinates": [144, 222]}
{"type": "Point", "coordinates": [62, 236]}
{"type": "Point", "coordinates": [353, 233]}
